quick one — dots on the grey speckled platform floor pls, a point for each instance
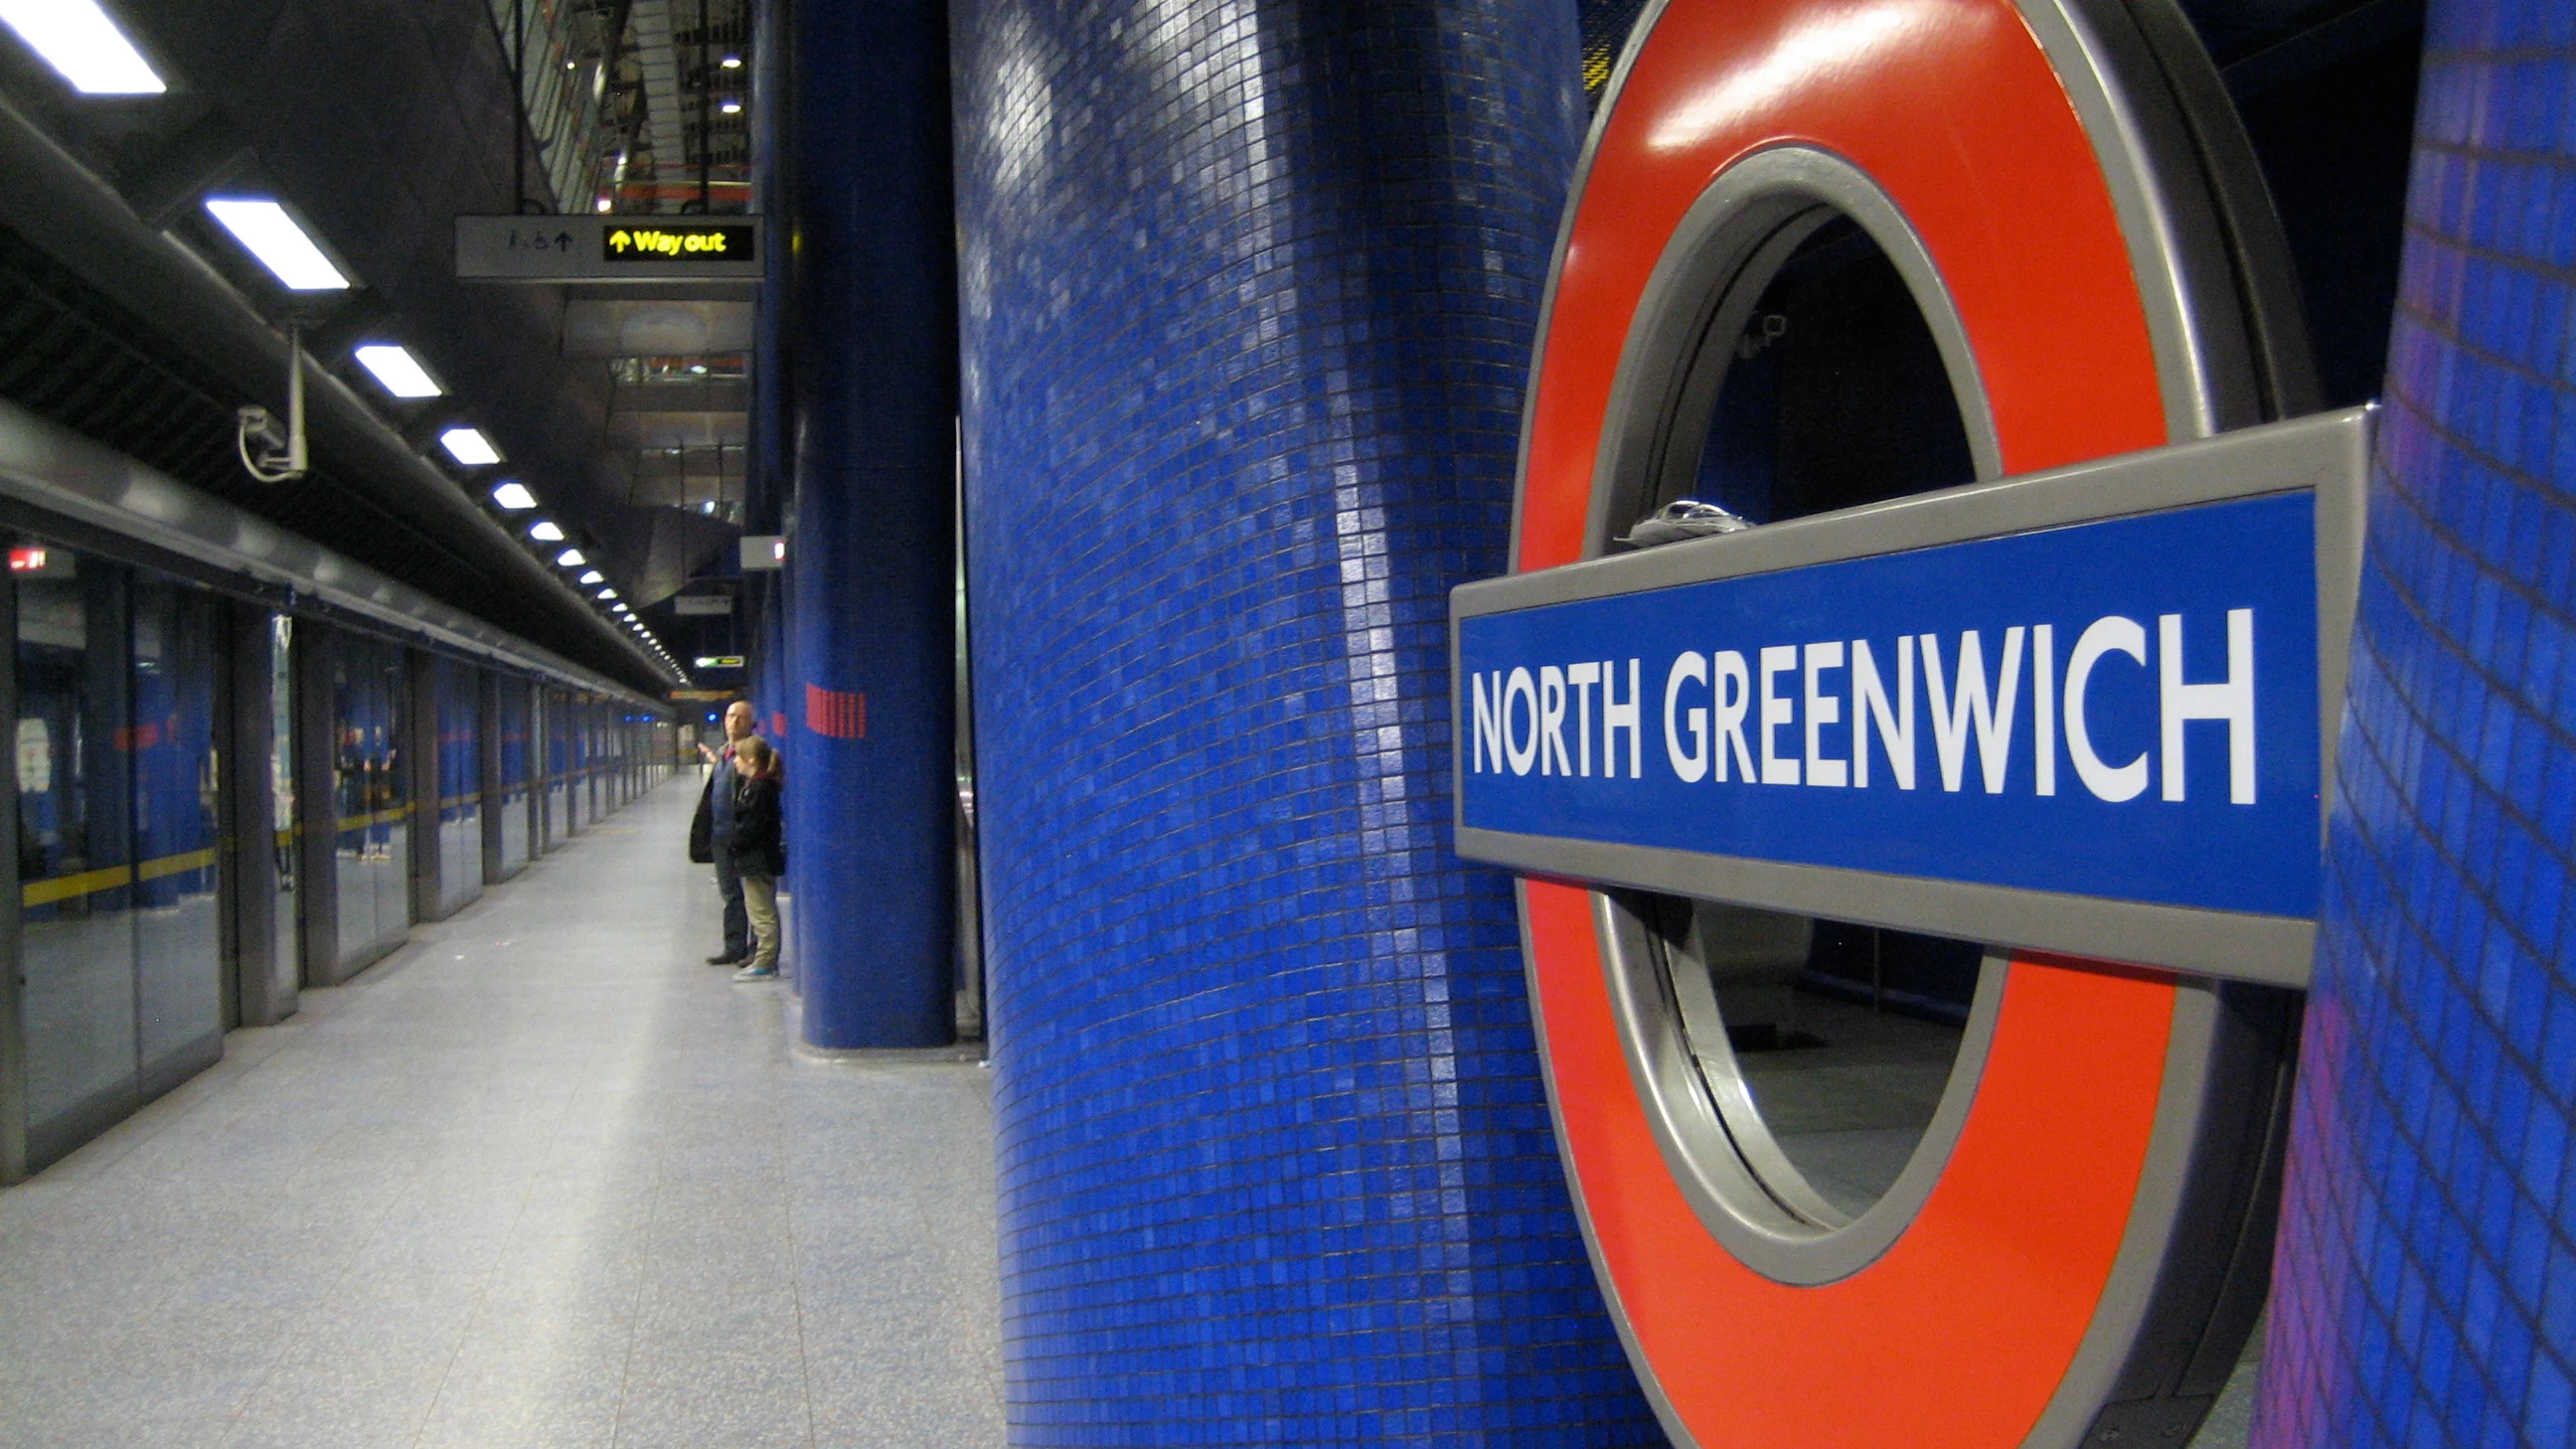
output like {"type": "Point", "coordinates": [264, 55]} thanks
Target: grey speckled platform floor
{"type": "Point", "coordinates": [538, 1179]}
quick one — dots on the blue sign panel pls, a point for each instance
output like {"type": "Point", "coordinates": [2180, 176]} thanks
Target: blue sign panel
{"type": "Point", "coordinates": [2125, 709]}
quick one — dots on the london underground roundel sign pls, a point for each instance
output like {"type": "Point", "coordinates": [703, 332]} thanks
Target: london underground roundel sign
{"type": "Point", "coordinates": [2075, 711]}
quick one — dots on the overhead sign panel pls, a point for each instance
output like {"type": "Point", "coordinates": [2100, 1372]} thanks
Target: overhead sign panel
{"type": "Point", "coordinates": [2084, 710]}
{"type": "Point", "coordinates": [708, 604]}
{"type": "Point", "coordinates": [607, 248]}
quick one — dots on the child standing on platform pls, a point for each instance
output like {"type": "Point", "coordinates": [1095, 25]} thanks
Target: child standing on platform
{"type": "Point", "coordinates": [758, 850]}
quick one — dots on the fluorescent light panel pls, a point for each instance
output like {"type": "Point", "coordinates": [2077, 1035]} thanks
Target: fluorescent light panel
{"type": "Point", "coordinates": [468, 447]}
{"type": "Point", "coordinates": [268, 233]}
{"type": "Point", "coordinates": [78, 40]}
{"type": "Point", "coordinates": [544, 531]}
{"type": "Point", "coordinates": [606, 594]}
{"type": "Point", "coordinates": [513, 497]}
{"type": "Point", "coordinates": [570, 558]}
{"type": "Point", "coordinates": [594, 577]}
{"type": "Point", "coordinates": [398, 370]}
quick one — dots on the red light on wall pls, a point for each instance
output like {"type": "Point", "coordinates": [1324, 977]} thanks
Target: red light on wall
{"type": "Point", "coordinates": [26, 558]}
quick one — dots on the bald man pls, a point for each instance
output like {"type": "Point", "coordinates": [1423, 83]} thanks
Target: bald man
{"type": "Point", "coordinates": [714, 824]}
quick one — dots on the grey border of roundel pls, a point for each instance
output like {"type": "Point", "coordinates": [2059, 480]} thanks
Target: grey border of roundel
{"type": "Point", "coordinates": [2327, 454]}
{"type": "Point", "coordinates": [1671, 1420]}
{"type": "Point", "coordinates": [2168, 203]}
{"type": "Point", "coordinates": [2133, 156]}
{"type": "Point", "coordinates": [1716, 1144]}
{"type": "Point", "coordinates": [1705, 286]}
{"type": "Point", "coordinates": [1701, 294]}
{"type": "Point", "coordinates": [1638, 30]}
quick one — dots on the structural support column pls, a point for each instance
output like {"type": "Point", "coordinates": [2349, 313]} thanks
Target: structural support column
{"type": "Point", "coordinates": [267, 977]}
{"type": "Point", "coordinates": [870, 616]}
{"type": "Point", "coordinates": [1248, 296]}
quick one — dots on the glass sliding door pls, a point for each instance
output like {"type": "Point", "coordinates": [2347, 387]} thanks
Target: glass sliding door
{"type": "Point", "coordinates": [578, 814]}
{"type": "Point", "coordinates": [285, 937]}
{"type": "Point", "coordinates": [178, 927]}
{"type": "Point", "coordinates": [372, 858]}
{"type": "Point", "coordinates": [458, 689]}
{"type": "Point", "coordinates": [517, 817]}
{"type": "Point", "coordinates": [121, 934]}
{"type": "Point", "coordinates": [75, 846]}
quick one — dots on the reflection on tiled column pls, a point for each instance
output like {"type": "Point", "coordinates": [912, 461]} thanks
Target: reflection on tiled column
{"type": "Point", "coordinates": [1249, 291]}
{"type": "Point", "coordinates": [2425, 1289]}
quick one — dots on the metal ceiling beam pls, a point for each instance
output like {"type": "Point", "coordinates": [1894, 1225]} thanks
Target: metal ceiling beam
{"type": "Point", "coordinates": [658, 56]}
{"type": "Point", "coordinates": [62, 472]}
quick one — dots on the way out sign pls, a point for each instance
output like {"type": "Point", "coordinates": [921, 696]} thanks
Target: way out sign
{"type": "Point", "coordinates": [598, 248]}
{"type": "Point", "coordinates": [2088, 711]}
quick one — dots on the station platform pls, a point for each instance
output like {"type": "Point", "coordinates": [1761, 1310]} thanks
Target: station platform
{"type": "Point", "coordinates": [539, 1177]}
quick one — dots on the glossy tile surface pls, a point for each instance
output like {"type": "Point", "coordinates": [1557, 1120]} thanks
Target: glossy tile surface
{"type": "Point", "coordinates": [1247, 293]}
{"type": "Point", "coordinates": [540, 1178]}
{"type": "Point", "coordinates": [2424, 1290]}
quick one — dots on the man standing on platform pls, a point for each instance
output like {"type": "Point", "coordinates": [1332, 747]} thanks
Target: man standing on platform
{"type": "Point", "coordinates": [714, 825]}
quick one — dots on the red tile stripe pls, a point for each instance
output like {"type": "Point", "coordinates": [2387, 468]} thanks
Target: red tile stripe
{"type": "Point", "coordinates": [836, 714]}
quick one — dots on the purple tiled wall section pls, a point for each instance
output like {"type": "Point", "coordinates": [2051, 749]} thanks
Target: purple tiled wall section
{"type": "Point", "coordinates": [2425, 1288]}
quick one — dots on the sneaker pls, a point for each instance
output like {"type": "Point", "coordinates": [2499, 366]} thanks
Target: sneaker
{"type": "Point", "coordinates": [729, 958]}
{"type": "Point", "coordinates": [756, 973]}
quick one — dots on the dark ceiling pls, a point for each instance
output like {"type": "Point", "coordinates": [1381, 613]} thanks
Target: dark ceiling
{"type": "Point", "coordinates": [378, 124]}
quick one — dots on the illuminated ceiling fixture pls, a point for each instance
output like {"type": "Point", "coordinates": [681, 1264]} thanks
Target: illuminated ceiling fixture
{"type": "Point", "coordinates": [513, 497]}
{"type": "Point", "coordinates": [570, 558]}
{"type": "Point", "coordinates": [468, 447]}
{"type": "Point", "coordinates": [398, 370]}
{"type": "Point", "coordinates": [603, 203]}
{"type": "Point", "coordinates": [731, 62]}
{"type": "Point", "coordinates": [78, 40]}
{"type": "Point", "coordinates": [731, 108]}
{"type": "Point", "coordinates": [606, 594]}
{"type": "Point", "coordinates": [594, 577]}
{"type": "Point", "coordinates": [268, 233]}
{"type": "Point", "coordinates": [544, 531]}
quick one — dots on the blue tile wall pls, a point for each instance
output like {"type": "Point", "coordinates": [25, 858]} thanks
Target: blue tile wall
{"type": "Point", "coordinates": [1248, 294]}
{"type": "Point", "coordinates": [2425, 1287]}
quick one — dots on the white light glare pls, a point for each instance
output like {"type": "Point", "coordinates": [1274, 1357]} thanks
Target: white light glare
{"type": "Point", "coordinates": [264, 228]}
{"type": "Point", "coordinates": [468, 447]}
{"type": "Point", "coordinates": [570, 558]}
{"type": "Point", "coordinates": [594, 577]}
{"type": "Point", "coordinates": [606, 594]}
{"type": "Point", "coordinates": [1839, 41]}
{"type": "Point", "coordinates": [77, 39]}
{"type": "Point", "coordinates": [731, 62]}
{"type": "Point", "coordinates": [544, 531]}
{"type": "Point", "coordinates": [398, 370]}
{"type": "Point", "coordinates": [731, 108]}
{"type": "Point", "coordinates": [513, 497]}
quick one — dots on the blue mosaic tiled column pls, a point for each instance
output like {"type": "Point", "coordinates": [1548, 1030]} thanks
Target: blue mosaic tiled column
{"type": "Point", "coordinates": [1249, 292]}
{"type": "Point", "coordinates": [870, 614]}
{"type": "Point", "coordinates": [2425, 1284]}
